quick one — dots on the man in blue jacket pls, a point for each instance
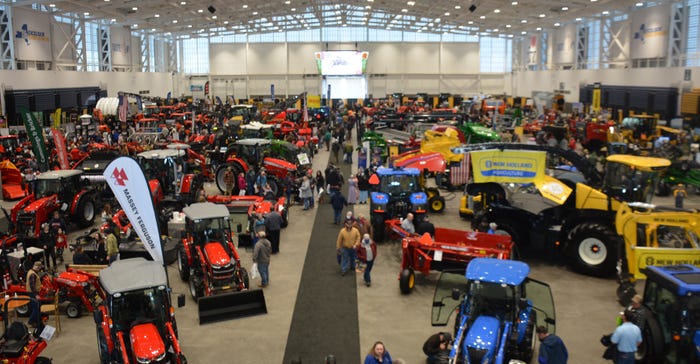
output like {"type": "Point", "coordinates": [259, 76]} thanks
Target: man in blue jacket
{"type": "Point", "coordinates": [552, 348]}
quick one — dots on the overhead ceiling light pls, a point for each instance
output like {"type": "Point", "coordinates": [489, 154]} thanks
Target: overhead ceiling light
{"type": "Point", "coordinates": [457, 7]}
{"type": "Point", "coordinates": [293, 9]}
{"type": "Point", "coordinates": [189, 25]}
{"type": "Point", "coordinates": [524, 21]}
{"type": "Point", "coordinates": [225, 21]}
{"type": "Point", "coordinates": [564, 8]}
{"type": "Point", "coordinates": [538, 29]}
{"type": "Point", "coordinates": [557, 24]}
{"type": "Point", "coordinates": [153, 29]}
{"type": "Point", "coordinates": [482, 17]}
{"type": "Point", "coordinates": [404, 10]}
{"type": "Point", "coordinates": [113, 20]}
{"type": "Point", "coordinates": [287, 2]}
{"type": "Point", "coordinates": [447, 13]}
{"type": "Point", "coordinates": [136, 25]}
{"type": "Point", "coordinates": [411, 3]}
{"type": "Point", "coordinates": [495, 30]}
{"type": "Point", "coordinates": [106, 1]}
{"type": "Point", "coordinates": [605, 12]}
{"type": "Point", "coordinates": [157, 15]}
{"type": "Point", "coordinates": [496, 11]}
{"type": "Point", "coordinates": [200, 11]}
{"type": "Point", "coordinates": [135, 8]}
{"type": "Point", "coordinates": [255, 13]}
{"type": "Point", "coordinates": [214, 17]}
{"type": "Point", "coordinates": [86, 13]}
{"type": "Point", "coordinates": [52, 5]}
{"type": "Point", "coordinates": [639, 4]}
{"type": "Point", "coordinates": [245, 6]}
{"type": "Point", "coordinates": [507, 25]}
{"type": "Point", "coordinates": [578, 19]}
{"type": "Point", "coordinates": [368, 6]}
{"type": "Point", "coordinates": [523, 32]}
{"type": "Point", "coordinates": [594, 1]}
{"type": "Point", "coordinates": [183, 2]}
{"type": "Point", "coordinates": [514, 3]}
{"type": "Point", "coordinates": [470, 22]}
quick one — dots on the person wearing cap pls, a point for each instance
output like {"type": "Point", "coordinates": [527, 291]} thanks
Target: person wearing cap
{"type": "Point", "coordinates": [112, 245]}
{"type": "Point", "coordinates": [407, 224]}
{"type": "Point", "coordinates": [261, 256]}
{"type": "Point", "coordinates": [33, 288]}
{"type": "Point", "coordinates": [348, 240]}
{"type": "Point", "coordinates": [366, 253]}
{"type": "Point", "coordinates": [492, 228]}
{"type": "Point", "coordinates": [627, 337]}
{"type": "Point", "coordinates": [639, 312]}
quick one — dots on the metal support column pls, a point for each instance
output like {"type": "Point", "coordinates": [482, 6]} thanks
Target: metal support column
{"type": "Point", "coordinates": [145, 47]}
{"type": "Point", "coordinates": [677, 39]}
{"type": "Point", "coordinates": [7, 47]}
{"type": "Point", "coordinates": [581, 48]}
{"type": "Point", "coordinates": [105, 49]}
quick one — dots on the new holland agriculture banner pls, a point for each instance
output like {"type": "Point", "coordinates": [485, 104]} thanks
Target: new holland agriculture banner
{"type": "Point", "coordinates": [31, 124]}
{"type": "Point", "coordinates": [31, 31]}
{"type": "Point", "coordinates": [508, 166]}
{"type": "Point", "coordinates": [130, 187]}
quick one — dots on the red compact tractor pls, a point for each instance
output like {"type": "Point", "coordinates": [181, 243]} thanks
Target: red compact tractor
{"type": "Point", "coordinates": [136, 321]}
{"type": "Point", "coordinates": [450, 249]}
{"type": "Point", "coordinates": [209, 260]}
{"type": "Point", "coordinates": [17, 345]}
{"type": "Point", "coordinates": [63, 190]}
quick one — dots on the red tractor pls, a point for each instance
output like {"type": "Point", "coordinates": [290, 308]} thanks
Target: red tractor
{"type": "Point", "coordinates": [208, 257]}
{"type": "Point", "coordinates": [17, 346]}
{"type": "Point", "coordinates": [63, 190]}
{"type": "Point", "coordinates": [136, 321]}
{"type": "Point", "coordinates": [250, 153]}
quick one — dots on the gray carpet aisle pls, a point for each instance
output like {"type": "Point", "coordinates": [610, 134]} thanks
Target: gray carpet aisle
{"type": "Point", "coordinates": [325, 319]}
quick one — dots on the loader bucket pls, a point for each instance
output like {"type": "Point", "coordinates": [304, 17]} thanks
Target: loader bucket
{"type": "Point", "coordinates": [230, 306]}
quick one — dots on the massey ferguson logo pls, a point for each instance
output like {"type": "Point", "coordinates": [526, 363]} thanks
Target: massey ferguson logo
{"type": "Point", "coordinates": [119, 176]}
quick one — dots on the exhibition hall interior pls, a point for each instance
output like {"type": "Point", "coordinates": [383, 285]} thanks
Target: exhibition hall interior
{"type": "Point", "coordinates": [365, 181]}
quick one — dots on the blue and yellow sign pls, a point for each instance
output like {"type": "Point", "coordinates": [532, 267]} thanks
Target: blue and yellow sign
{"type": "Point", "coordinates": [507, 166]}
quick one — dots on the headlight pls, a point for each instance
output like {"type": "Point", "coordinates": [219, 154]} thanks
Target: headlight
{"type": "Point", "coordinates": [146, 361]}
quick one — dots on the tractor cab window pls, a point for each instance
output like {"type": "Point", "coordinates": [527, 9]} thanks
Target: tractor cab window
{"type": "Point", "coordinates": [211, 229]}
{"type": "Point", "coordinates": [665, 303]}
{"type": "Point", "coordinates": [399, 184]}
{"type": "Point", "coordinates": [47, 187]}
{"type": "Point", "coordinates": [629, 184]}
{"type": "Point", "coordinates": [494, 299]}
{"type": "Point", "coordinates": [142, 306]}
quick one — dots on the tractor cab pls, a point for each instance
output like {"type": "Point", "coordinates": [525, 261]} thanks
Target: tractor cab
{"type": "Point", "coordinates": [167, 166]}
{"type": "Point", "coordinates": [499, 308]}
{"type": "Point", "coordinates": [632, 178]}
{"type": "Point", "coordinates": [395, 193]}
{"type": "Point", "coordinates": [207, 222]}
{"type": "Point", "coordinates": [671, 332]}
{"type": "Point", "coordinates": [60, 182]}
{"type": "Point", "coordinates": [136, 320]}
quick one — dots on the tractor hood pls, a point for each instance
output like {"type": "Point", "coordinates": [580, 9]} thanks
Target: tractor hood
{"type": "Point", "coordinates": [482, 339]}
{"type": "Point", "coordinates": [433, 162]}
{"type": "Point", "coordinates": [216, 254]}
{"type": "Point", "coordinates": [146, 343]}
{"type": "Point", "coordinates": [278, 164]}
{"type": "Point", "coordinates": [40, 203]}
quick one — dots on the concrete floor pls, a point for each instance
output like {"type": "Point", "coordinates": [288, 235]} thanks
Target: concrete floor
{"type": "Point", "coordinates": [586, 306]}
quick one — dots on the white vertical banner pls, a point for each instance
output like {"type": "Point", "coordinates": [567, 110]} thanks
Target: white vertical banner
{"type": "Point", "coordinates": [649, 32]}
{"type": "Point", "coordinates": [31, 31]}
{"type": "Point", "coordinates": [120, 45]}
{"type": "Point", "coordinates": [533, 50]}
{"type": "Point", "coordinates": [564, 45]}
{"type": "Point", "coordinates": [129, 185]}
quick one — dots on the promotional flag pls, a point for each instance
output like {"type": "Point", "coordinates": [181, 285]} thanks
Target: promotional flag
{"type": "Point", "coordinates": [57, 118]}
{"type": "Point", "coordinates": [129, 185]}
{"type": "Point", "coordinates": [139, 103]}
{"type": "Point", "coordinates": [306, 109]}
{"type": "Point", "coordinates": [60, 142]}
{"type": "Point", "coordinates": [123, 108]}
{"type": "Point", "coordinates": [31, 124]}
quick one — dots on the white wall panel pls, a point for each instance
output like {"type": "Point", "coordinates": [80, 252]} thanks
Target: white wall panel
{"type": "Point", "coordinates": [415, 84]}
{"type": "Point", "coordinates": [384, 58]}
{"type": "Point", "coordinates": [136, 53]}
{"type": "Point", "coordinates": [61, 39]}
{"type": "Point", "coordinates": [459, 58]}
{"type": "Point", "coordinates": [421, 58]}
{"type": "Point", "coordinates": [260, 85]}
{"type": "Point", "coordinates": [227, 59]}
{"type": "Point", "coordinates": [301, 58]}
{"type": "Point", "coordinates": [267, 58]}
{"type": "Point", "coordinates": [157, 83]}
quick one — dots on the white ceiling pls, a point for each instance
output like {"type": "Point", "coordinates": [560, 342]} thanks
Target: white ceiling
{"type": "Point", "coordinates": [183, 17]}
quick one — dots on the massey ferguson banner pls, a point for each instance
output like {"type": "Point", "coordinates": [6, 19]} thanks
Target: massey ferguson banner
{"type": "Point", "coordinates": [130, 187]}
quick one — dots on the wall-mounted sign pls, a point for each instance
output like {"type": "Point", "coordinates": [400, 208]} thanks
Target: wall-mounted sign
{"type": "Point", "coordinates": [196, 88]}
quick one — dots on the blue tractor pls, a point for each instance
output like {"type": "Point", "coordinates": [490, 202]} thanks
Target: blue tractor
{"type": "Point", "coordinates": [499, 309]}
{"type": "Point", "coordinates": [396, 192]}
{"type": "Point", "coordinates": [671, 329]}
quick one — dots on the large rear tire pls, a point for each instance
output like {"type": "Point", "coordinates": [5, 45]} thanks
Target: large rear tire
{"type": "Point", "coordinates": [219, 177]}
{"type": "Point", "coordinates": [407, 280]}
{"type": "Point", "coordinates": [274, 186]}
{"type": "Point", "coordinates": [182, 266]}
{"type": "Point", "coordinates": [651, 350]}
{"type": "Point", "coordinates": [86, 212]}
{"type": "Point", "coordinates": [592, 249]}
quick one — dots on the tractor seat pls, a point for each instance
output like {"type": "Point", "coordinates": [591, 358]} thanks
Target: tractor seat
{"type": "Point", "coordinates": [16, 339]}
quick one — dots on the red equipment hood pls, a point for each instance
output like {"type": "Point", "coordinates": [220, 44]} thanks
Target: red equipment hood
{"type": "Point", "coordinates": [40, 203]}
{"type": "Point", "coordinates": [146, 342]}
{"type": "Point", "coordinates": [274, 163]}
{"type": "Point", "coordinates": [216, 254]}
{"type": "Point", "coordinates": [433, 162]}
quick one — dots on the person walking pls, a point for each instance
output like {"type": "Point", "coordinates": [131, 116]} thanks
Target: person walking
{"type": "Point", "coordinates": [378, 354]}
{"type": "Point", "coordinates": [679, 194]}
{"type": "Point", "coordinates": [112, 245]}
{"type": "Point", "coordinates": [250, 182]}
{"type": "Point", "coordinates": [48, 243]}
{"type": "Point", "coordinates": [353, 191]}
{"type": "Point", "coordinates": [363, 185]}
{"type": "Point", "coordinates": [242, 184]}
{"type": "Point", "coordinates": [260, 182]}
{"type": "Point", "coordinates": [338, 202]}
{"type": "Point", "coordinates": [320, 185]}
{"type": "Point", "coordinates": [552, 348]}
{"type": "Point", "coordinates": [261, 256]}
{"type": "Point", "coordinates": [273, 225]}
{"type": "Point", "coordinates": [229, 181]}
{"type": "Point", "coordinates": [335, 151]}
{"type": "Point", "coordinates": [366, 253]}
{"type": "Point", "coordinates": [348, 240]}
{"type": "Point", "coordinates": [33, 288]}
{"type": "Point", "coordinates": [305, 192]}
{"type": "Point", "coordinates": [627, 337]}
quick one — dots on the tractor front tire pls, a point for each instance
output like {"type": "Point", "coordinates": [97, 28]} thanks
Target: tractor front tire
{"type": "Point", "coordinates": [592, 249]}
{"type": "Point", "coordinates": [407, 280]}
{"type": "Point", "coordinates": [652, 347]}
{"type": "Point", "coordinates": [85, 212]}
{"type": "Point", "coordinates": [274, 186]}
{"type": "Point", "coordinates": [102, 346]}
{"type": "Point", "coordinates": [182, 265]}
{"type": "Point", "coordinates": [245, 278]}
{"type": "Point", "coordinates": [219, 177]}
{"type": "Point", "coordinates": [285, 217]}
{"type": "Point", "coordinates": [378, 229]}
{"type": "Point", "coordinates": [73, 310]}
{"type": "Point", "coordinates": [196, 289]}
{"type": "Point", "coordinates": [437, 204]}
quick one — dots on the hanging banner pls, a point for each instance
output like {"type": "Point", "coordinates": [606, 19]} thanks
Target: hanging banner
{"type": "Point", "coordinates": [649, 27]}
{"type": "Point", "coordinates": [120, 45]}
{"type": "Point", "coordinates": [32, 35]}
{"type": "Point", "coordinates": [123, 108]}
{"type": "Point", "coordinates": [564, 40]}
{"type": "Point", "coordinates": [314, 101]}
{"type": "Point", "coordinates": [57, 118]}
{"type": "Point", "coordinates": [31, 124]}
{"type": "Point", "coordinates": [508, 166]}
{"type": "Point", "coordinates": [595, 104]}
{"type": "Point", "coordinates": [129, 185]}
{"type": "Point", "coordinates": [59, 142]}
{"type": "Point", "coordinates": [532, 50]}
